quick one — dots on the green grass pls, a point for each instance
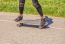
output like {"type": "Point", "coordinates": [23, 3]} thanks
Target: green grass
{"type": "Point", "coordinates": [50, 7]}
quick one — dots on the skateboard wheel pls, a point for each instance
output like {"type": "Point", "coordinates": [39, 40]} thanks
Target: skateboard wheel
{"type": "Point", "coordinates": [20, 24]}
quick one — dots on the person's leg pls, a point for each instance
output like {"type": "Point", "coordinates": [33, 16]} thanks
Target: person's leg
{"type": "Point", "coordinates": [39, 9]}
{"type": "Point", "coordinates": [21, 8]}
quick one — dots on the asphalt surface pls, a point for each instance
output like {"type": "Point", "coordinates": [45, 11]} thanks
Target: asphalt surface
{"type": "Point", "coordinates": [29, 33]}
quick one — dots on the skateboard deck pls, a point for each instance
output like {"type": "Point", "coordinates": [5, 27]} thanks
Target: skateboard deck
{"type": "Point", "coordinates": [29, 23]}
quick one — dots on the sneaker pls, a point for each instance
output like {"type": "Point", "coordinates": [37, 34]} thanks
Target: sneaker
{"type": "Point", "coordinates": [19, 18]}
{"type": "Point", "coordinates": [42, 23]}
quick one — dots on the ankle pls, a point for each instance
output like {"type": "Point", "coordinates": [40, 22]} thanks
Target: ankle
{"type": "Point", "coordinates": [42, 17]}
{"type": "Point", "coordinates": [21, 15]}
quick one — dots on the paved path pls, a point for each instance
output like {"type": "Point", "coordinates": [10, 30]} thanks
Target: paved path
{"type": "Point", "coordinates": [11, 34]}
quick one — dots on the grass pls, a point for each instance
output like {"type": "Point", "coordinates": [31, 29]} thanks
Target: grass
{"type": "Point", "coordinates": [50, 7]}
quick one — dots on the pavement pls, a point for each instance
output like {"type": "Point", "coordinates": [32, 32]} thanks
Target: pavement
{"type": "Point", "coordinates": [30, 34]}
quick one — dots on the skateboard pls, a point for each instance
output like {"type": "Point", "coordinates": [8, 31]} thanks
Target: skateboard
{"type": "Point", "coordinates": [29, 23]}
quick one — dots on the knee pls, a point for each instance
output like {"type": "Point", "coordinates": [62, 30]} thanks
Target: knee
{"type": "Point", "coordinates": [36, 4]}
{"type": "Point", "coordinates": [21, 4]}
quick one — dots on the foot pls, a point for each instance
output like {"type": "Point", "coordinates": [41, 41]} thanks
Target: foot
{"type": "Point", "coordinates": [19, 18]}
{"type": "Point", "coordinates": [42, 23]}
